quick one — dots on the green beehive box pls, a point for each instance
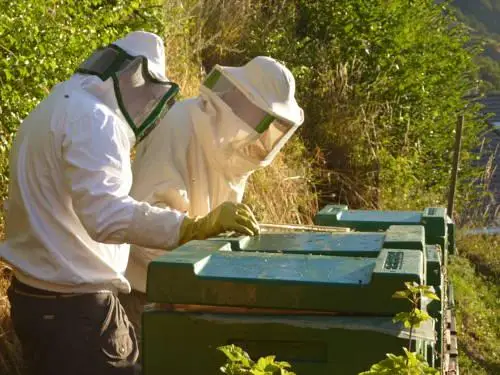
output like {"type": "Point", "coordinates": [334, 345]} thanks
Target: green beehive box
{"type": "Point", "coordinates": [286, 277]}
{"type": "Point", "coordinates": [434, 219]}
{"type": "Point", "coordinates": [321, 301]}
{"type": "Point", "coordinates": [434, 278]}
{"type": "Point", "coordinates": [358, 244]}
{"type": "Point", "coordinates": [451, 236]}
{"type": "Point", "coordinates": [186, 343]}
{"type": "Point", "coordinates": [433, 269]}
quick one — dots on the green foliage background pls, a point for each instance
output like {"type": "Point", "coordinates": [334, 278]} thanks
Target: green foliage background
{"type": "Point", "coordinates": [43, 41]}
{"type": "Point", "coordinates": [381, 83]}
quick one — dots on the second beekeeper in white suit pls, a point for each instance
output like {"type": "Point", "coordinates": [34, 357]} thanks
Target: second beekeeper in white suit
{"type": "Point", "coordinates": [205, 148]}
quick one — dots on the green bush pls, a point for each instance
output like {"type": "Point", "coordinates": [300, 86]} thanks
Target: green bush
{"type": "Point", "coordinates": [43, 41]}
{"type": "Point", "coordinates": [475, 275]}
{"type": "Point", "coordinates": [240, 363]}
{"type": "Point", "coordinates": [382, 83]}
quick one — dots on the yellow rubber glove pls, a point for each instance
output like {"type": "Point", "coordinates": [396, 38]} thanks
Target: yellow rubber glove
{"type": "Point", "coordinates": [228, 216]}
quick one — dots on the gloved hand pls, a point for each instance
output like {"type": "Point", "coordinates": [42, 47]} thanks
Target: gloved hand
{"type": "Point", "coordinates": [228, 216]}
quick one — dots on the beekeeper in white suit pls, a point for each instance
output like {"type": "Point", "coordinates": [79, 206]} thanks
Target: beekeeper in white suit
{"type": "Point", "coordinates": [206, 147]}
{"type": "Point", "coordinates": [70, 215]}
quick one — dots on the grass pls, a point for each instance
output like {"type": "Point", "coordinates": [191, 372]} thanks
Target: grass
{"type": "Point", "coordinates": [10, 356]}
{"type": "Point", "coordinates": [284, 192]}
{"type": "Point", "coordinates": [475, 277]}
{"type": "Point", "coordinates": [484, 252]}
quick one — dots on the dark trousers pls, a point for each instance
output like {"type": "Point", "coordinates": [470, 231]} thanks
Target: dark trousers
{"type": "Point", "coordinates": [133, 304]}
{"type": "Point", "coordinates": [72, 334]}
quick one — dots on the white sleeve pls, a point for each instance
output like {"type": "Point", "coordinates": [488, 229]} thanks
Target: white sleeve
{"type": "Point", "coordinates": [96, 153]}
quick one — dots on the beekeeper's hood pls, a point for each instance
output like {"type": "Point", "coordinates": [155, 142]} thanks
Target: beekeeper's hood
{"type": "Point", "coordinates": [253, 113]}
{"type": "Point", "coordinates": [134, 67]}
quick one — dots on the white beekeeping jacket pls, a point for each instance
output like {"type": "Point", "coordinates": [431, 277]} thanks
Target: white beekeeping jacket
{"type": "Point", "coordinates": [69, 215]}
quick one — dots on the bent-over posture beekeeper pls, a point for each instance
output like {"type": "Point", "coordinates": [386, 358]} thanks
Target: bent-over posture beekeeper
{"type": "Point", "coordinates": [70, 216]}
{"type": "Point", "coordinates": [205, 148]}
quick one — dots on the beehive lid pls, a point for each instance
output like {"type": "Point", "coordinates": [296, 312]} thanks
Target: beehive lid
{"type": "Point", "coordinates": [361, 244]}
{"type": "Point", "coordinates": [262, 273]}
{"type": "Point", "coordinates": [434, 219]}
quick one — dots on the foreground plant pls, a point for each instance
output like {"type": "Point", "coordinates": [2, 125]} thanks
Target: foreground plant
{"type": "Point", "coordinates": [410, 363]}
{"type": "Point", "coordinates": [240, 363]}
{"type": "Point", "coordinates": [407, 364]}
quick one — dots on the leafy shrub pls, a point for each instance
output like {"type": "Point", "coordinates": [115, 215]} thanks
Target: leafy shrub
{"type": "Point", "coordinates": [477, 289]}
{"type": "Point", "coordinates": [240, 363]}
{"type": "Point", "coordinates": [410, 363]}
{"type": "Point", "coordinates": [43, 41]}
{"type": "Point", "coordinates": [381, 83]}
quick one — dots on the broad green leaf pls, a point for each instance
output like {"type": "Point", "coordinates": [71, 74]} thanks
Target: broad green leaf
{"type": "Point", "coordinates": [401, 294]}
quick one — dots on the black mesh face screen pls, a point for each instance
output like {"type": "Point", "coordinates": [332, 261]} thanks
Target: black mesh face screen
{"type": "Point", "coordinates": [104, 62]}
{"type": "Point", "coordinates": [270, 130]}
{"type": "Point", "coordinates": [237, 101]}
{"type": "Point", "coordinates": [140, 96]}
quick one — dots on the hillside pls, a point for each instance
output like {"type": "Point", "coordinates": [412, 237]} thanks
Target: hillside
{"type": "Point", "coordinates": [476, 279]}
{"type": "Point", "coordinates": [482, 17]}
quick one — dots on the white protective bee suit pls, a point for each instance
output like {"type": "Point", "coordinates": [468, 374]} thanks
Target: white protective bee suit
{"type": "Point", "coordinates": [70, 216]}
{"type": "Point", "coordinates": [205, 148]}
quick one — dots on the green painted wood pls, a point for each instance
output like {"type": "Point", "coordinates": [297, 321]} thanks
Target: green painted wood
{"type": "Point", "coordinates": [434, 277]}
{"type": "Point", "coordinates": [360, 244]}
{"type": "Point", "coordinates": [451, 236]}
{"type": "Point", "coordinates": [210, 273]}
{"type": "Point", "coordinates": [432, 218]}
{"type": "Point", "coordinates": [433, 269]}
{"type": "Point", "coordinates": [439, 228]}
{"type": "Point", "coordinates": [342, 244]}
{"type": "Point", "coordinates": [184, 343]}
{"type": "Point", "coordinates": [405, 237]}
{"type": "Point", "coordinates": [349, 273]}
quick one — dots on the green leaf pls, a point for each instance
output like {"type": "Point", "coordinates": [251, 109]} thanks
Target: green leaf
{"type": "Point", "coordinates": [402, 317]}
{"type": "Point", "coordinates": [239, 362]}
{"type": "Point", "coordinates": [236, 354]}
{"type": "Point", "coordinates": [408, 364]}
{"type": "Point", "coordinates": [431, 296]}
{"type": "Point", "coordinates": [419, 316]}
{"type": "Point", "coordinates": [401, 294]}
